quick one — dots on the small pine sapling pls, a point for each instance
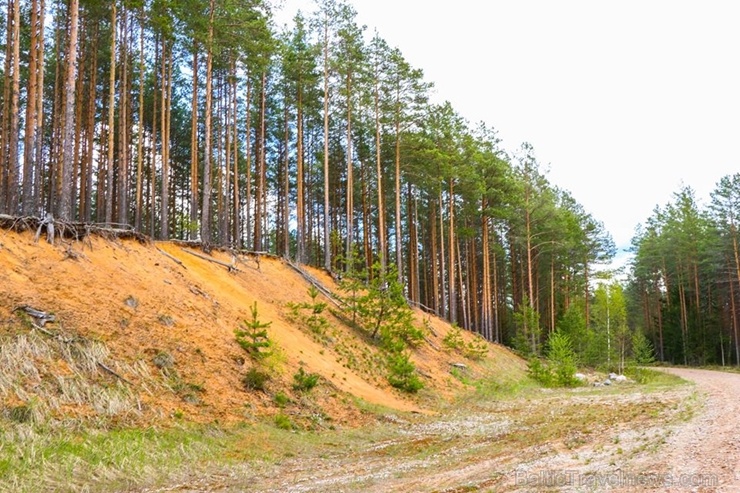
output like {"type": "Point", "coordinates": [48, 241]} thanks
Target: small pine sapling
{"type": "Point", "coordinates": [252, 336]}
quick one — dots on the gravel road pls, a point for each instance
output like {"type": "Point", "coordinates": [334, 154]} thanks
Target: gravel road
{"type": "Point", "coordinates": [703, 455]}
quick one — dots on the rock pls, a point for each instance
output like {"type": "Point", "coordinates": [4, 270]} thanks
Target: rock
{"type": "Point", "coordinates": [620, 378]}
{"type": "Point", "coordinates": [607, 382]}
{"type": "Point", "coordinates": [580, 376]}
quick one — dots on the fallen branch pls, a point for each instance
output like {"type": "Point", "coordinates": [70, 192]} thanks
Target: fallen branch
{"type": "Point", "coordinates": [41, 317]}
{"type": "Point", "coordinates": [315, 283]}
{"type": "Point", "coordinates": [173, 258]}
{"type": "Point", "coordinates": [101, 365]}
{"type": "Point", "coordinates": [230, 267]}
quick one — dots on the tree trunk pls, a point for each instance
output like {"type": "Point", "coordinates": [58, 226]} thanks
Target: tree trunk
{"type": "Point", "coordinates": [123, 181]}
{"type": "Point", "coordinates": [327, 240]}
{"type": "Point", "coordinates": [111, 119]}
{"type": "Point", "coordinates": [205, 221]}
{"type": "Point", "coordinates": [194, 145]}
{"type": "Point", "coordinates": [29, 145]}
{"type": "Point", "coordinates": [453, 289]}
{"type": "Point", "coordinates": [140, 130]}
{"type": "Point", "coordinates": [300, 205]}
{"type": "Point", "coordinates": [13, 171]}
{"type": "Point", "coordinates": [382, 247]}
{"type": "Point", "coordinates": [65, 201]}
{"type": "Point", "coordinates": [348, 257]}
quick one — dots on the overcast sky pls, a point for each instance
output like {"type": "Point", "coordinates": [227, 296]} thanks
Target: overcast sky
{"type": "Point", "coordinates": [624, 102]}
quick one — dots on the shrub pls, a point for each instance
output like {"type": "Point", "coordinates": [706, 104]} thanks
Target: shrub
{"type": "Point", "coordinates": [454, 339]}
{"type": "Point", "coordinates": [281, 400]}
{"type": "Point", "coordinates": [562, 360]}
{"type": "Point", "coordinates": [255, 379]}
{"type": "Point", "coordinates": [402, 373]}
{"type": "Point", "coordinates": [305, 381]}
{"type": "Point", "coordinates": [283, 422]}
{"type": "Point", "coordinates": [560, 368]}
{"type": "Point", "coordinates": [540, 372]}
{"type": "Point", "coordinates": [642, 350]}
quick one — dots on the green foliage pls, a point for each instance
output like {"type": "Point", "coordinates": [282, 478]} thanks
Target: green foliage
{"type": "Point", "coordinates": [560, 367]}
{"type": "Point", "coordinates": [281, 400]}
{"type": "Point", "coordinates": [453, 340]}
{"type": "Point", "coordinates": [311, 314]}
{"type": "Point", "coordinates": [255, 379]}
{"type": "Point", "coordinates": [380, 308]}
{"type": "Point", "coordinates": [527, 321]}
{"type": "Point", "coordinates": [562, 360]}
{"type": "Point", "coordinates": [252, 337]}
{"type": "Point", "coordinates": [540, 372]}
{"type": "Point", "coordinates": [402, 373]}
{"type": "Point", "coordinates": [475, 349]}
{"type": "Point", "coordinates": [642, 349]}
{"type": "Point", "coordinates": [283, 422]}
{"type": "Point", "coordinates": [304, 381]}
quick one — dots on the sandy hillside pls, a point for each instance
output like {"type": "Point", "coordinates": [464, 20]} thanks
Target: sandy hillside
{"type": "Point", "coordinates": [148, 301]}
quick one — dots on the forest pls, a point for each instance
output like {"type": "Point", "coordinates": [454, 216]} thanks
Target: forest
{"type": "Point", "coordinates": [204, 121]}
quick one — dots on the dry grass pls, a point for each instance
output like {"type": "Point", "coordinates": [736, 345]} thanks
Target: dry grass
{"type": "Point", "coordinates": [60, 379]}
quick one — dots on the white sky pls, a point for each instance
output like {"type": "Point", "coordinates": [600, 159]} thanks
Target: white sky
{"type": "Point", "coordinates": [623, 101]}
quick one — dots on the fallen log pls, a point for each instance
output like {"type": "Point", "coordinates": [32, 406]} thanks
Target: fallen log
{"type": "Point", "coordinates": [230, 267]}
{"type": "Point", "coordinates": [173, 258]}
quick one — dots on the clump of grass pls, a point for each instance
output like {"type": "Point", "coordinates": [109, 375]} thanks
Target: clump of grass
{"type": "Point", "coordinates": [283, 422]}
{"type": "Point", "coordinates": [255, 379]}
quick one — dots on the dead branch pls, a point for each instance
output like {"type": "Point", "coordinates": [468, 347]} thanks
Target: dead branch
{"type": "Point", "coordinates": [101, 365]}
{"type": "Point", "coordinates": [230, 267]}
{"type": "Point", "coordinates": [173, 258]}
{"type": "Point", "coordinates": [315, 283]}
{"type": "Point", "coordinates": [41, 317]}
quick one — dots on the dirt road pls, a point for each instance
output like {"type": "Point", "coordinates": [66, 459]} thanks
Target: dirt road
{"type": "Point", "coordinates": [676, 439]}
{"type": "Point", "coordinates": [704, 453]}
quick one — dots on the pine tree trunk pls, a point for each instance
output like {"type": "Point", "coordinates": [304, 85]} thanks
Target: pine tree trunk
{"type": "Point", "coordinates": [5, 119]}
{"type": "Point", "coordinates": [348, 257]}
{"type": "Point", "coordinates": [194, 144]}
{"type": "Point", "coordinates": [327, 239]}
{"type": "Point", "coordinates": [300, 177]}
{"type": "Point", "coordinates": [13, 130]}
{"type": "Point", "coordinates": [166, 100]}
{"type": "Point", "coordinates": [123, 181]}
{"type": "Point", "coordinates": [451, 229]}
{"type": "Point", "coordinates": [31, 123]}
{"type": "Point", "coordinates": [205, 221]}
{"type": "Point", "coordinates": [66, 200]}
{"type": "Point", "coordinates": [382, 247]}
{"type": "Point", "coordinates": [140, 130]}
{"type": "Point", "coordinates": [111, 119]}
{"type": "Point", "coordinates": [399, 252]}
{"type": "Point", "coordinates": [38, 151]}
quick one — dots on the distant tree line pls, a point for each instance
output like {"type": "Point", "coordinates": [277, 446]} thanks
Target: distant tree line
{"type": "Point", "coordinates": [686, 277]}
{"type": "Point", "coordinates": [202, 120]}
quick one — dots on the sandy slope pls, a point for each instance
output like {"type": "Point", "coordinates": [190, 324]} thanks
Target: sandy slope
{"type": "Point", "coordinates": [141, 302]}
